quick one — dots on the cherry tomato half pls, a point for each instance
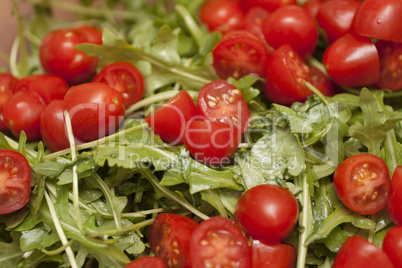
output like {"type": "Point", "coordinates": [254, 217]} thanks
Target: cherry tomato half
{"type": "Point", "coordinates": [168, 120]}
{"type": "Point", "coordinates": [7, 83]}
{"type": "Point", "coordinates": [390, 64]}
{"type": "Point", "coordinates": [15, 181]}
{"type": "Point", "coordinates": [169, 238]}
{"type": "Point", "coordinates": [357, 252]}
{"type": "Point", "coordinates": [395, 197]}
{"type": "Point", "coordinates": [272, 255]}
{"type": "Point", "coordinates": [146, 262]}
{"type": "Point", "coordinates": [267, 212]}
{"type": "Point", "coordinates": [362, 183]}
{"type": "Point", "coordinates": [125, 78]}
{"type": "Point", "coordinates": [221, 101]}
{"type": "Point", "coordinates": [218, 242]}
{"type": "Point", "coordinates": [392, 245]}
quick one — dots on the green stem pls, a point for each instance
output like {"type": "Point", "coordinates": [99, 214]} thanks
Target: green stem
{"type": "Point", "coordinates": [150, 100]}
{"type": "Point", "coordinates": [194, 28]}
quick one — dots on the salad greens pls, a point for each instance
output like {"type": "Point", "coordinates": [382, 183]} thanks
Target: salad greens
{"type": "Point", "coordinates": [91, 205]}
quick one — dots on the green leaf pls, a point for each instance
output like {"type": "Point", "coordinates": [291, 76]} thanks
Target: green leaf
{"type": "Point", "coordinates": [10, 253]}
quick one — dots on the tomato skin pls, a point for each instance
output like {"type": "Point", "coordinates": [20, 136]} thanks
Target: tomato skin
{"type": "Point", "coordinates": [357, 252]}
{"type": "Point", "coordinates": [146, 262]}
{"type": "Point", "coordinates": [291, 25]}
{"type": "Point", "coordinates": [58, 56]}
{"type": "Point", "coordinates": [335, 17]}
{"type": "Point", "coordinates": [390, 54]}
{"type": "Point", "coordinates": [15, 181]}
{"type": "Point", "coordinates": [285, 75]}
{"type": "Point", "coordinates": [267, 213]}
{"type": "Point", "coordinates": [93, 34]}
{"type": "Point", "coordinates": [352, 61]}
{"type": "Point", "coordinates": [222, 15]}
{"type": "Point", "coordinates": [7, 84]}
{"type": "Point", "coordinates": [95, 110]}
{"type": "Point", "coordinates": [362, 183]}
{"type": "Point", "coordinates": [253, 21]}
{"type": "Point", "coordinates": [392, 245]}
{"type": "Point", "coordinates": [322, 82]}
{"type": "Point", "coordinates": [168, 120]}
{"type": "Point", "coordinates": [272, 255]}
{"type": "Point", "coordinates": [125, 78]}
{"type": "Point", "coordinates": [395, 197]}
{"type": "Point", "coordinates": [22, 113]}
{"type": "Point", "coordinates": [379, 19]}
{"type": "Point", "coordinates": [239, 53]}
{"type": "Point", "coordinates": [169, 238]}
{"type": "Point", "coordinates": [312, 6]}
{"type": "Point", "coordinates": [218, 242]}
{"type": "Point", "coordinates": [268, 5]}
{"type": "Point", "coordinates": [211, 142]}
{"type": "Point", "coordinates": [221, 101]}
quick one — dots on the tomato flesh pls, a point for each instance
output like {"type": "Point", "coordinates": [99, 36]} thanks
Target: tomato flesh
{"type": "Point", "coordinates": [390, 54]}
{"type": "Point", "coordinates": [272, 255]}
{"type": "Point", "coordinates": [146, 262]}
{"type": "Point", "coordinates": [395, 197]}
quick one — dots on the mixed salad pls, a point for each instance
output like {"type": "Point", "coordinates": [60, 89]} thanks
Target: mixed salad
{"type": "Point", "coordinates": [289, 114]}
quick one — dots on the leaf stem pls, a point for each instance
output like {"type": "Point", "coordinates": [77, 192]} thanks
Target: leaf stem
{"type": "Point", "coordinates": [150, 100]}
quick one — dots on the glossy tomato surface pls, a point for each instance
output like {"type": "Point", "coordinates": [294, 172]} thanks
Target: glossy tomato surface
{"type": "Point", "coordinates": [146, 262]}
{"type": "Point", "coordinates": [169, 238]}
{"type": "Point", "coordinates": [218, 242]}
{"type": "Point", "coordinates": [352, 61]}
{"type": "Point", "coordinates": [267, 212]}
{"type": "Point", "coordinates": [322, 82]}
{"type": "Point", "coordinates": [239, 53]}
{"type": "Point", "coordinates": [222, 15]}
{"type": "Point", "coordinates": [211, 142]}
{"type": "Point", "coordinates": [269, 5]}
{"type": "Point", "coordinates": [95, 110]}
{"type": "Point", "coordinates": [357, 252]}
{"type": "Point", "coordinates": [253, 21]}
{"type": "Point", "coordinates": [168, 120]}
{"type": "Point", "coordinates": [125, 78]}
{"type": "Point", "coordinates": [362, 183]}
{"type": "Point", "coordinates": [390, 54]}
{"type": "Point", "coordinates": [379, 19]}
{"type": "Point", "coordinates": [93, 34]}
{"type": "Point", "coordinates": [392, 245]}
{"type": "Point", "coordinates": [272, 255]}
{"type": "Point", "coordinates": [395, 197]}
{"type": "Point", "coordinates": [15, 181]}
{"type": "Point", "coordinates": [291, 25]}
{"type": "Point", "coordinates": [285, 75]}
{"type": "Point", "coordinates": [221, 101]}
{"type": "Point", "coordinates": [7, 83]}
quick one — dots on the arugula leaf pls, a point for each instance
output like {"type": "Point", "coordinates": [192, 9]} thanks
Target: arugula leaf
{"type": "Point", "coordinates": [11, 253]}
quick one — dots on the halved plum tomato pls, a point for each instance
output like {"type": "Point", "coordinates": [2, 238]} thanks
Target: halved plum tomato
{"type": "Point", "coordinates": [221, 101]}
{"type": "Point", "coordinates": [395, 197]}
{"type": "Point", "coordinates": [390, 64]}
{"type": "Point", "coordinates": [268, 5]}
{"type": "Point", "coordinates": [272, 255]}
{"type": "Point", "coordinates": [15, 181]}
{"type": "Point", "coordinates": [357, 252]}
{"type": "Point", "coordinates": [379, 19]}
{"type": "Point", "coordinates": [392, 245]}
{"type": "Point", "coordinates": [285, 76]}
{"type": "Point", "coordinates": [239, 53]}
{"type": "Point", "coordinates": [169, 238]}
{"type": "Point", "coordinates": [146, 262]}
{"type": "Point", "coordinates": [168, 120]}
{"type": "Point", "coordinates": [125, 78]}
{"type": "Point", "coordinates": [219, 242]}
{"type": "Point", "coordinates": [352, 61]}
{"type": "Point", "coordinates": [7, 83]}
{"type": "Point", "coordinates": [362, 183]}
{"type": "Point", "coordinates": [211, 142]}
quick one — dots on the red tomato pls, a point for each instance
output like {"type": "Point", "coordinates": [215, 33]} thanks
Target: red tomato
{"type": "Point", "coordinates": [267, 212]}
{"type": "Point", "coordinates": [390, 64]}
{"type": "Point", "coordinates": [146, 262]}
{"type": "Point", "coordinates": [168, 120]}
{"type": "Point", "coordinates": [335, 17]}
{"type": "Point", "coordinates": [312, 6]}
{"type": "Point", "coordinates": [169, 238]}
{"type": "Point", "coordinates": [218, 242]}
{"type": "Point", "coordinates": [253, 21]}
{"type": "Point", "coordinates": [291, 25]}
{"type": "Point", "coordinates": [15, 181]}
{"type": "Point", "coordinates": [239, 53]}
{"type": "Point", "coordinates": [269, 5]}
{"type": "Point", "coordinates": [379, 19]}
{"type": "Point", "coordinates": [93, 34]}
{"type": "Point", "coordinates": [272, 255]}
{"type": "Point", "coordinates": [221, 101]}
{"type": "Point", "coordinates": [357, 252]}
{"type": "Point", "coordinates": [285, 76]}
{"type": "Point", "coordinates": [22, 113]}
{"type": "Point", "coordinates": [322, 82]}
{"type": "Point", "coordinates": [58, 55]}
{"type": "Point", "coordinates": [352, 61]}
{"type": "Point", "coordinates": [362, 183]}
{"type": "Point", "coordinates": [395, 197]}
{"type": "Point", "coordinates": [211, 142]}
{"type": "Point", "coordinates": [7, 83]}
{"type": "Point", "coordinates": [48, 87]}
{"type": "Point", "coordinates": [125, 78]}
{"type": "Point", "coordinates": [95, 109]}
{"type": "Point", "coordinates": [222, 15]}
{"type": "Point", "coordinates": [392, 245]}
